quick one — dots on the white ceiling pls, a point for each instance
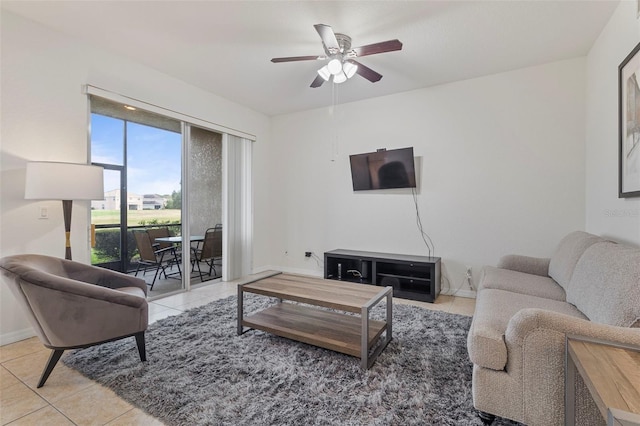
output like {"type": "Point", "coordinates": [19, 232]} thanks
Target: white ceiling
{"type": "Point", "coordinates": [225, 47]}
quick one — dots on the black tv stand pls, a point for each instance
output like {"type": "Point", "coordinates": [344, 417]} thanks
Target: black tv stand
{"type": "Point", "coordinates": [412, 277]}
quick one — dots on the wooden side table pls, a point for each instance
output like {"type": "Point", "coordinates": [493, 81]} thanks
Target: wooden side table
{"type": "Point", "coordinates": [611, 373]}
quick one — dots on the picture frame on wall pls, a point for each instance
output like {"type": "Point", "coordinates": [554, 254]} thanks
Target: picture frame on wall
{"type": "Point", "coordinates": [629, 125]}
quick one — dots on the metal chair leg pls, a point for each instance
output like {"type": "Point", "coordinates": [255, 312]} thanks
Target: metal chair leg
{"type": "Point", "coordinates": [199, 270]}
{"type": "Point", "coordinates": [137, 269]}
{"type": "Point", "coordinates": [142, 349]}
{"type": "Point", "coordinates": [156, 276]}
{"type": "Point", "coordinates": [53, 360]}
{"type": "Point", "coordinates": [177, 263]}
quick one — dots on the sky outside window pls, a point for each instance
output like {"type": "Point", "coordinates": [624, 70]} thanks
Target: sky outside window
{"type": "Point", "coordinates": [153, 160]}
{"type": "Point", "coordinates": [153, 155]}
{"type": "Point", "coordinates": [107, 140]}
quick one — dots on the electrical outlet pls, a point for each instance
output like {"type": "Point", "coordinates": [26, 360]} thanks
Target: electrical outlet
{"type": "Point", "coordinates": [307, 254]}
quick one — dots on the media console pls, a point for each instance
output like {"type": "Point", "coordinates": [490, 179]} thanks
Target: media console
{"type": "Point", "coordinates": [412, 277]}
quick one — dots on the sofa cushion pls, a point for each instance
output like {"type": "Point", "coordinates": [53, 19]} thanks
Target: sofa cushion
{"type": "Point", "coordinates": [526, 264]}
{"type": "Point", "coordinates": [569, 250]}
{"type": "Point", "coordinates": [520, 282]}
{"type": "Point", "coordinates": [494, 309]}
{"type": "Point", "coordinates": [606, 284]}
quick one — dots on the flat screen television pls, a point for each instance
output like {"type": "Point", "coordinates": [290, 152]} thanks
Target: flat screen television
{"type": "Point", "coordinates": [383, 169]}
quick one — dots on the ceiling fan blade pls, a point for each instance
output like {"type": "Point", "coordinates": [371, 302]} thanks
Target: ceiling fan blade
{"type": "Point", "coordinates": [372, 49]}
{"type": "Point", "coordinates": [317, 82]}
{"type": "Point", "coordinates": [328, 38]}
{"type": "Point", "coordinates": [366, 72]}
{"type": "Point", "coordinates": [298, 58]}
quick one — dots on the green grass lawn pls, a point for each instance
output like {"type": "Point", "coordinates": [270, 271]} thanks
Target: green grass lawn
{"type": "Point", "coordinates": [135, 217]}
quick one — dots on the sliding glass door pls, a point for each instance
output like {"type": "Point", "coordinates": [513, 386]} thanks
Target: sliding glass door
{"type": "Point", "coordinates": [182, 185]}
{"type": "Point", "coordinates": [142, 156]}
{"type": "Point", "coordinates": [205, 203]}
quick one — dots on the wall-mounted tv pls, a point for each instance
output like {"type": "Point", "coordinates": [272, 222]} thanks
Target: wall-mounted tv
{"type": "Point", "coordinates": [383, 169]}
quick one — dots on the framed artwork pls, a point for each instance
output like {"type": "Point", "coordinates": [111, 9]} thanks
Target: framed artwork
{"type": "Point", "coordinates": [629, 125]}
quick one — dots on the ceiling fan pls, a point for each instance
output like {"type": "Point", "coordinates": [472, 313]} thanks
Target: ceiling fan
{"type": "Point", "coordinates": [338, 50]}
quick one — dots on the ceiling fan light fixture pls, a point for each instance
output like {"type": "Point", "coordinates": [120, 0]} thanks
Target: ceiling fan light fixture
{"type": "Point", "coordinates": [349, 69]}
{"type": "Point", "coordinates": [340, 78]}
{"type": "Point", "coordinates": [335, 66]}
{"type": "Point", "coordinates": [324, 73]}
{"type": "Point", "coordinates": [340, 57]}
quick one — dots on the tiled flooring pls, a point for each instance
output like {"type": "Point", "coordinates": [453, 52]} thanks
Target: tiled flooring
{"type": "Point", "coordinates": [164, 285]}
{"type": "Point", "coordinates": [68, 398]}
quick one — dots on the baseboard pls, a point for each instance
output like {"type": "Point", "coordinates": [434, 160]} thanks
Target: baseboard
{"type": "Point", "coordinates": [257, 276]}
{"type": "Point", "coordinates": [298, 271]}
{"type": "Point", "coordinates": [16, 336]}
{"type": "Point", "coordinates": [470, 294]}
{"type": "Point", "coordinates": [286, 270]}
{"type": "Point", "coordinates": [262, 269]}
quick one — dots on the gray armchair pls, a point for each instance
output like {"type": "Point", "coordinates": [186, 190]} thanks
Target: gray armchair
{"type": "Point", "coordinates": [72, 305]}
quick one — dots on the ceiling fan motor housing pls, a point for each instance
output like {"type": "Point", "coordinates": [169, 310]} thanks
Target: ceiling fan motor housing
{"type": "Point", "coordinates": [344, 41]}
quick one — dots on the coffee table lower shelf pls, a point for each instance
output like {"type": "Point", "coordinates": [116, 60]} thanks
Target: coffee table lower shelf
{"type": "Point", "coordinates": [330, 330]}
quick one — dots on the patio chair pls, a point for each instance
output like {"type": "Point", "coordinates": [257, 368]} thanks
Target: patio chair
{"type": "Point", "coordinates": [72, 305]}
{"type": "Point", "coordinates": [163, 232]}
{"type": "Point", "coordinates": [210, 252]}
{"type": "Point", "coordinates": [159, 259]}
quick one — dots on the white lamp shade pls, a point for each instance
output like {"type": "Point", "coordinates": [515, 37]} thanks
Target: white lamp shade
{"type": "Point", "coordinates": [349, 69]}
{"type": "Point", "coordinates": [334, 66]}
{"type": "Point", "coordinates": [63, 181]}
{"type": "Point", "coordinates": [339, 78]}
{"type": "Point", "coordinates": [324, 73]}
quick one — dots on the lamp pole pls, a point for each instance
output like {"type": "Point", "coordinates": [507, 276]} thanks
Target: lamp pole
{"type": "Point", "coordinates": [66, 212]}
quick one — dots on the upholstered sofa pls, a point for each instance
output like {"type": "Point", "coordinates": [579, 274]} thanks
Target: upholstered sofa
{"type": "Point", "coordinates": [72, 305]}
{"type": "Point", "coordinates": [527, 306]}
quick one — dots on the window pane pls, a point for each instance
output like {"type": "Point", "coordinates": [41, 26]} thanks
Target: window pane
{"type": "Point", "coordinates": [146, 148]}
{"type": "Point", "coordinates": [153, 176]}
{"type": "Point", "coordinates": [105, 216]}
{"type": "Point", "coordinates": [107, 140]}
{"type": "Point", "coordinates": [153, 160]}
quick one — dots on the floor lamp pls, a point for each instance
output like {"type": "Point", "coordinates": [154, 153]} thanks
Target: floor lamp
{"type": "Point", "coordinates": [66, 182]}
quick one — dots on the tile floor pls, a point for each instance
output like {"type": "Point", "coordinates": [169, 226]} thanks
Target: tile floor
{"type": "Point", "coordinates": [164, 285]}
{"type": "Point", "coordinates": [68, 398]}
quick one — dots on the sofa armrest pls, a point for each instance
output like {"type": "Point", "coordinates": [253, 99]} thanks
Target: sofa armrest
{"type": "Point", "coordinates": [526, 264]}
{"type": "Point", "coordinates": [529, 321]}
{"type": "Point", "coordinates": [536, 340]}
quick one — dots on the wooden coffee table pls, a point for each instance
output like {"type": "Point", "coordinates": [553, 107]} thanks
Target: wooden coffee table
{"type": "Point", "coordinates": [353, 335]}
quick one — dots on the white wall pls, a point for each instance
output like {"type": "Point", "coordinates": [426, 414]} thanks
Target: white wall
{"type": "Point", "coordinates": [606, 214]}
{"type": "Point", "coordinates": [44, 117]}
{"type": "Point", "coordinates": [501, 163]}
{"type": "Point", "coordinates": [501, 159]}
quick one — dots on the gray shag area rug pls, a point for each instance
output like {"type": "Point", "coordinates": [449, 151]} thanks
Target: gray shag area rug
{"type": "Point", "coordinates": [200, 372]}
